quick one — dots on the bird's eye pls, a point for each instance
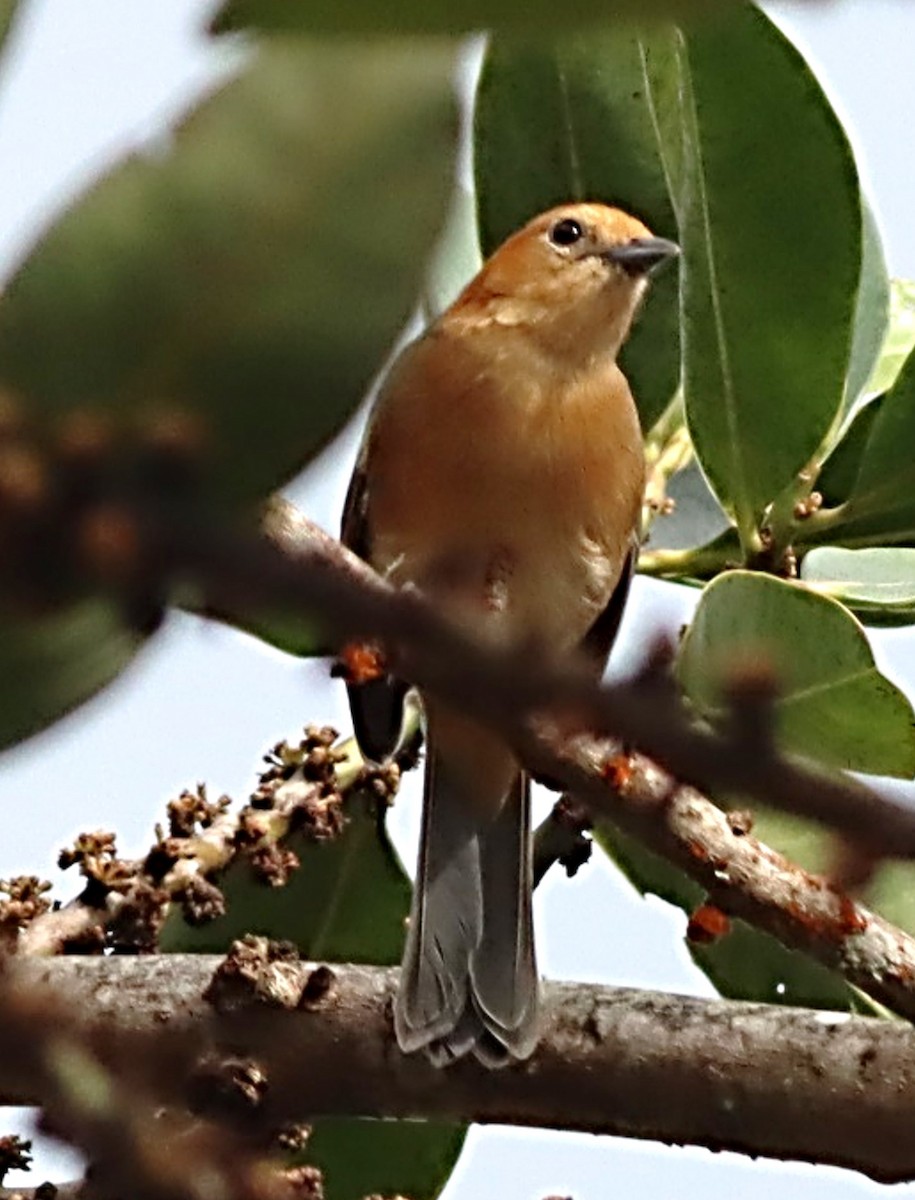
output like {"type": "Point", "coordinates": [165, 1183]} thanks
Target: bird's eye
{"type": "Point", "coordinates": [566, 232]}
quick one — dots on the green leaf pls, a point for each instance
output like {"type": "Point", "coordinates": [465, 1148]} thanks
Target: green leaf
{"type": "Point", "coordinates": [839, 473]}
{"type": "Point", "coordinates": [769, 273]}
{"type": "Point", "coordinates": [900, 336]}
{"type": "Point", "coordinates": [834, 705]}
{"type": "Point", "coordinates": [881, 507]}
{"type": "Point", "coordinates": [361, 1158]}
{"type": "Point", "coordinates": [51, 664]}
{"type": "Point", "coordinates": [872, 311]}
{"type": "Point", "coordinates": [439, 16]}
{"type": "Point", "coordinates": [746, 964]}
{"type": "Point", "coordinates": [256, 272]}
{"type": "Point", "coordinates": [323, 907]}
{"type": "Point", "coordinates": [878, 584]}
{"type": "Point", "coordinates": [696, 518]}
{"type": "Point", "coordinates": [347, 902]}
{"type": "Point", "coordinates": [570, 120]}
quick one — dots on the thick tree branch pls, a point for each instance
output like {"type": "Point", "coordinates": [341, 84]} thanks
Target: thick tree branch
{"type": "Point", "coordinates": [787, 1083]}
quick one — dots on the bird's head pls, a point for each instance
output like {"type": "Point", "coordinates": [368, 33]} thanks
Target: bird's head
{"type": "Point", "coordinates": [573, 278]}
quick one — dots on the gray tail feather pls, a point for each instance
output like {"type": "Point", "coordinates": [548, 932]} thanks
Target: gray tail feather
{"type": "Point", "coordinates": [469, 979]}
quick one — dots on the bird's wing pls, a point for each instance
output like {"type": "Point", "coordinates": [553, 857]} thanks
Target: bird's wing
{"type": "Point", "coordinates": [598, 641]}
{"type": "Point", "coordinates": [377, 704]}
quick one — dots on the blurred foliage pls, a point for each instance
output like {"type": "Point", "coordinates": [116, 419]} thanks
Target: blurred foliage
{"type": "Point", "coordinates": [211, 279]}
{"type": "Point", "coordinates": [444, 16]}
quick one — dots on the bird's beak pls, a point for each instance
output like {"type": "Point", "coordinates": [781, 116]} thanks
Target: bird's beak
{"type": "Point", "coordinates": [642, 255]}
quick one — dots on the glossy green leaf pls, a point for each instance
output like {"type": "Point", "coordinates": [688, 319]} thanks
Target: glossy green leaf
{"type": "Point", "coordinates": [347, 902]}
{"type": "Point", "coordinates": [440, 16]}
{"type": "Point", "coordinates": [51, 664]}
{"type": "Point", "coordinates": [834, 705]}
{"type": "Point", "coordinates": [769, 273]}
{"type": "Point", "coordinates": [570, 120]}
{"type": "Point", "coordinates": [746, 964]}
{"type": "Point", "coordinates": [872, 310]}
{"type": "Point", "coordinates": [254, 272]}
{"type": "Point", "coordinates": [881, 507]}
{"type": "Point", "coordinates": [876, 583]}
{"type": "Point", "coordinates": [900, 336]}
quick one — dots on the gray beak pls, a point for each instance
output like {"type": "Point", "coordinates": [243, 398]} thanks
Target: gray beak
{"type": "Point", "coordinates": [642, 255]}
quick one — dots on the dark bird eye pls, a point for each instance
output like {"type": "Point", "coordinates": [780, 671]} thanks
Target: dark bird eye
{"type": "Point", "coordinates": [566, 232]}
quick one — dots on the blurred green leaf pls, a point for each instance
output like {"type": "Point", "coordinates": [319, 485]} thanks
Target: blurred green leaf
{"type": "Point", "coordinates": [833, 704]}
{"type": "Point", "coordinates": [872, 310]}
{"type": "Point", "coordinates": [570, 120]}
{"type": "Point", "coordinates": [440, 16]}
{"type": "Point", "coordinates": [256, 271]}
{"type": "Point", "coordinates": [51, 664]}
{"type": "Point", "coordinates": [900, 336]}
{"type": "Point", "coordinates": [8, 12]}
{"type": "Point", "coordinates": [878, 583]}
{"type": "Point", "coordinates": [746, 964]}
{"type": "Point", "coordinates": [281, 630]}
{"type": "Point", "coordinates": [769, 274]}
{"type": "Point", "coordinates": [347, 902]}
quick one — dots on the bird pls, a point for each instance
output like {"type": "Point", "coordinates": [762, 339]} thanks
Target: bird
{"type": "Point", "coordinates": [501, 475]}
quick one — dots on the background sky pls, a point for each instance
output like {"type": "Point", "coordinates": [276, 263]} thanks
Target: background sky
{"type": "Point", "coordinates": [89, 81]}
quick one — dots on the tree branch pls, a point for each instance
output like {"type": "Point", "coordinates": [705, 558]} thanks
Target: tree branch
{"type": "Point", "coordinates": [300, 569]}
{"type": "Point", "coordinates": [508, 689]}
{"type": "Point", "coordinates": [758, 1079]}
{"type": "Point", "coordinates": [741, 875]}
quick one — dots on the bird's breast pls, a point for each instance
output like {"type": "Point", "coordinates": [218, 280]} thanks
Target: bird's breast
{"type": "Point", "coordinates": [511, 498]}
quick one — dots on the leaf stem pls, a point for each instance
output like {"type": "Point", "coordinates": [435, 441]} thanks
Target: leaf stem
{"type": "Point", "coordinates": [699, 562]}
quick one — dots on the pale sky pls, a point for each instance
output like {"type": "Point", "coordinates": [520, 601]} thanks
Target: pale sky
{"type": "Point", "coordinates": [89, 80]}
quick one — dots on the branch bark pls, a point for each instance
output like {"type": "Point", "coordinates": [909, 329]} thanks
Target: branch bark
{"type": "Point", "coordinates": [752, 1078]}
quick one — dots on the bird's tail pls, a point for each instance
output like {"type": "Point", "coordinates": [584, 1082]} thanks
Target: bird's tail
{"type": "Point", "coordinates": [469, 978]}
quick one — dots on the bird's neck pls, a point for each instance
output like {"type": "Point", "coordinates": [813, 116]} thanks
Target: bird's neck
{"type": "Point", "coordinates": [588, 337]}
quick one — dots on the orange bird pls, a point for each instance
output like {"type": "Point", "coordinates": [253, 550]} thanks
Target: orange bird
{"type": "Point", "coordinates": [501, 474]}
